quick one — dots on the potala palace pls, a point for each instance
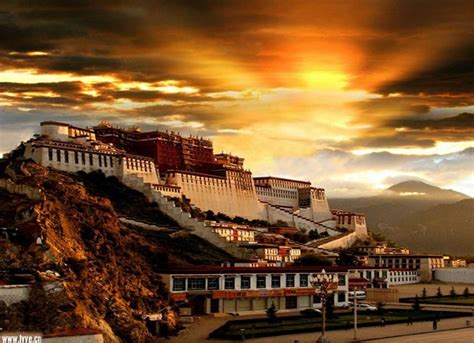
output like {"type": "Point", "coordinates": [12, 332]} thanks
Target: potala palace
{"type": "Point", "coordinates": [165, 165]}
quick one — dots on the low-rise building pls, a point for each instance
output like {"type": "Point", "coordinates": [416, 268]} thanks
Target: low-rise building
{"type": "Point", "coordinates": [403, 276]}
{"type": "Point", "coordinates": [243, 289]}
{"type": "Point", "coordinates": [424, 264]}
{"type": "Point", "coordinates": [382, 249]}
{"type": "Point", "coordinates": [233, 232]}
{"type": "Point", "coordinates": [275, 253]}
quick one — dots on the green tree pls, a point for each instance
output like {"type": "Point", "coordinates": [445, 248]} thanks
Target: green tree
{"type": "Point", "coordinates": [423, 293]}
{"type": "Point", "coordinates": [380, 307]}
{"type": "Point", "coordinates": [466, 292]}
{"type": "Point", "coordinates": [313, 234]}
{"type": "Point", "coordinates": [347, 258]}
{"type": "Point", "coordinates": [299, 237]}
{"type": "Point", "coordinates": [312, 260]}
{"type": "Point", "coordinates": [452, 292]}
{"type": "Point", "coordinates": [271, 313]}
{"type": "Point", "coordinates": [438, 293]}
{"type": "Point", "coordinates": [416, 304]}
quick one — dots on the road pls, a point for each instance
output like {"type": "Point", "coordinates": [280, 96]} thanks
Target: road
{"type": "Point", "coordinates": [203, 326]}
{"type": "Point", "coordinates": [451, 336]}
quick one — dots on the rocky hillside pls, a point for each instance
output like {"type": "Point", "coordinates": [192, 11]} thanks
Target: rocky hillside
{"type": "Point", "coordinates": [110, 272]}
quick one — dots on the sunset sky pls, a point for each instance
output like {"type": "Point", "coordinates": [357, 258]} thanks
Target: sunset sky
{"type": "Point", "coordinates": [353, 96]}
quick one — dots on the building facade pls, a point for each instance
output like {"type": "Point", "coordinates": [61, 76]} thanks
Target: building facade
{"type": "Point", "coordinates": [424, 264]}
{"type": "Point", "coordinates": [71, 149]}
{"type": "Point", "coordinates": [243, 289]}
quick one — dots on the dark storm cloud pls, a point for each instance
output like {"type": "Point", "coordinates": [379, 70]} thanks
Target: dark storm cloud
{"type": "Point", "coordinates": [454, 76]}
{"type": "Point", "coordinates": [416, 133]}
{"type": "Point", "coordinates": [213, 45]}
{"type": "Point", "coordinates": [461, 122]}
{"type": "Point", "coordinates": [56, 87]}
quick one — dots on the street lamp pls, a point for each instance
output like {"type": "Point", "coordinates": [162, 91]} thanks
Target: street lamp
{"type": "Point", "coordinates": [324, 284]}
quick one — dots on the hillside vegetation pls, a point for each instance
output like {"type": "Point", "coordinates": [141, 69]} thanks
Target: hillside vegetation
{"type": "Point", "coordinates": [110, 272]}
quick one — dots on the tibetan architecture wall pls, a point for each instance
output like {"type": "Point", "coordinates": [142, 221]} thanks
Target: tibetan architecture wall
{"type": "Point", "coordinates": [232, 194]}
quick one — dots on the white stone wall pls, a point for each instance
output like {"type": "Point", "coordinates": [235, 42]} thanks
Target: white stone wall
{"type": "Point", "coordinates": [320, 209]}
{"type": "Point", "coordinates": [55, 131]}
{"type": "Point", "coordinates": [345, 241]}
{"type": "Point", "coordinates": [219, 194]}
{"type": "Point", "coordinates": [458, 275]}
{"type": "Point", "coordinates": [62, 157]}
{"type": "Point", "coordinates": [12, 294]}
{"type": "Point", "coordinates": [287, 197]}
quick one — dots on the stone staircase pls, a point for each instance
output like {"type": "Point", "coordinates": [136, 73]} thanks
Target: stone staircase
{"type": "Point", "coordinates": [303, 222]}
{"type": "Point", "coordinates": [184, 219]}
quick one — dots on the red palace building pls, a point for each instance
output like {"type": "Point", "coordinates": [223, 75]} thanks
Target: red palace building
{"type": "Point", "coordinates": [169, 149]}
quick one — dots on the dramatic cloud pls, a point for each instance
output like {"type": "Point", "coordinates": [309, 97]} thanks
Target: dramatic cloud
{"type": "Point", "coordinates": [372, 173]}
{"type": "Point", "coordinates": [266, 79]}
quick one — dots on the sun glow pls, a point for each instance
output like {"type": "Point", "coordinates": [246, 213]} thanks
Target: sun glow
{"type": "Point", "coordinates": [324, 80]}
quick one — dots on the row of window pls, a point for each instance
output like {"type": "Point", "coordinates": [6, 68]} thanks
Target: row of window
{"type": "Point", "coordinates": [212, 283]}
{"type": "Point", "coordinates": [135, 164]}
{"type": "Point", "coordinates": [80, 157]}
{"type": "Point", "coordinates": [103, 160]}
{"type": "Point", "coordinates": [404, 279]}
{"type": "Point", "coordinates": [179, 284]}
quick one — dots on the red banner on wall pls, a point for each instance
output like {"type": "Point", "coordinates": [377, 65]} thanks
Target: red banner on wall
{"type": "Point", "coordinates": [303, 291]}
{"type": "Point", "coordinates": [178, 296]}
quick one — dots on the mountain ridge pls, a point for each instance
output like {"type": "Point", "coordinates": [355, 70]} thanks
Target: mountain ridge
{"type": "Point", "coordinates": [402, 213]}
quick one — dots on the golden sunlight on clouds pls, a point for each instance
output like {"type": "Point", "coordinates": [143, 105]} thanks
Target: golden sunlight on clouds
{"type": "Point", "coordinates": [324, 80]}
{"type": "Point", "coordinates": [32, 76]}
{"type": "Point", "coordinates": [266, 80]}
{"type": "Point", "coordinates": [440, 148]}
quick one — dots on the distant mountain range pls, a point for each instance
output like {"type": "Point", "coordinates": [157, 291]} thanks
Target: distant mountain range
{"type": "Point", "coordinates": [423, 217]}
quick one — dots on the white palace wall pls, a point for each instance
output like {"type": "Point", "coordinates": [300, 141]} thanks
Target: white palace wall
{"type": "Point", "coordinates": [233, 195]}
{"type": "Point", "coordinates": [66, 157]}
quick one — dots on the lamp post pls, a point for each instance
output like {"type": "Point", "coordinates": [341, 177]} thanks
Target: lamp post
{"type": "Point", "coordinates": [355, 314]}
{"type": "Point", "coordinates": [324, 284]}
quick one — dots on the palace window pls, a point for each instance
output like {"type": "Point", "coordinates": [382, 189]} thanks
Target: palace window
{"type": "Point", "coordinates": [50, 154]}
{"type": "Point", "coordinates": [196, 284]}
{"type": "Point", "coordinates": [341, 297]}
{"type": "Point", "coordinates": [91, 159]}
{"type": "Point", "coordinates": [179, 284]}
{"type": "Point", "coordinates": [105, 161]}
{"type": "Point", "coordinates": [342, 280]}
{"type": "Point", "coordinates": [276, 281]}
{"type": "Point", "coordinates": [66, 156]}
{"type": "Point", "coordinates": [229, 282]}
{"type": "Point", "coordinates": [261, 281]}
{"type": "Point", "coordinates": [303, 280]}
{"type": "Point", "coordinates": [290, 280]}
{"type": "Point", "coordinates": [245, 282]}
{"type": "Point", "coordinates": [100, 160]}
{"type": "Point", "coordinates": [83, 158]}
{"type": "Point", "coordinates": [213, 283]}
{"type": "Point", "coordinates": [76, 157]}
{"type": "Point", "coordinates": [111, 161]}
{"type": "Point", "coordinates": [58, 155]}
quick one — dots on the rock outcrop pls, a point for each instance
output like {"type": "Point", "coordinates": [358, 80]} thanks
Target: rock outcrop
{"type": "Point", "coordinates": [109, 271]}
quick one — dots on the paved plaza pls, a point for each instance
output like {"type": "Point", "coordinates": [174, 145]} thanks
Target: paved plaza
{"type": "Point", "coordinates": [451, 336]}
{"type": "Point", "coordinates": [199, 331]}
